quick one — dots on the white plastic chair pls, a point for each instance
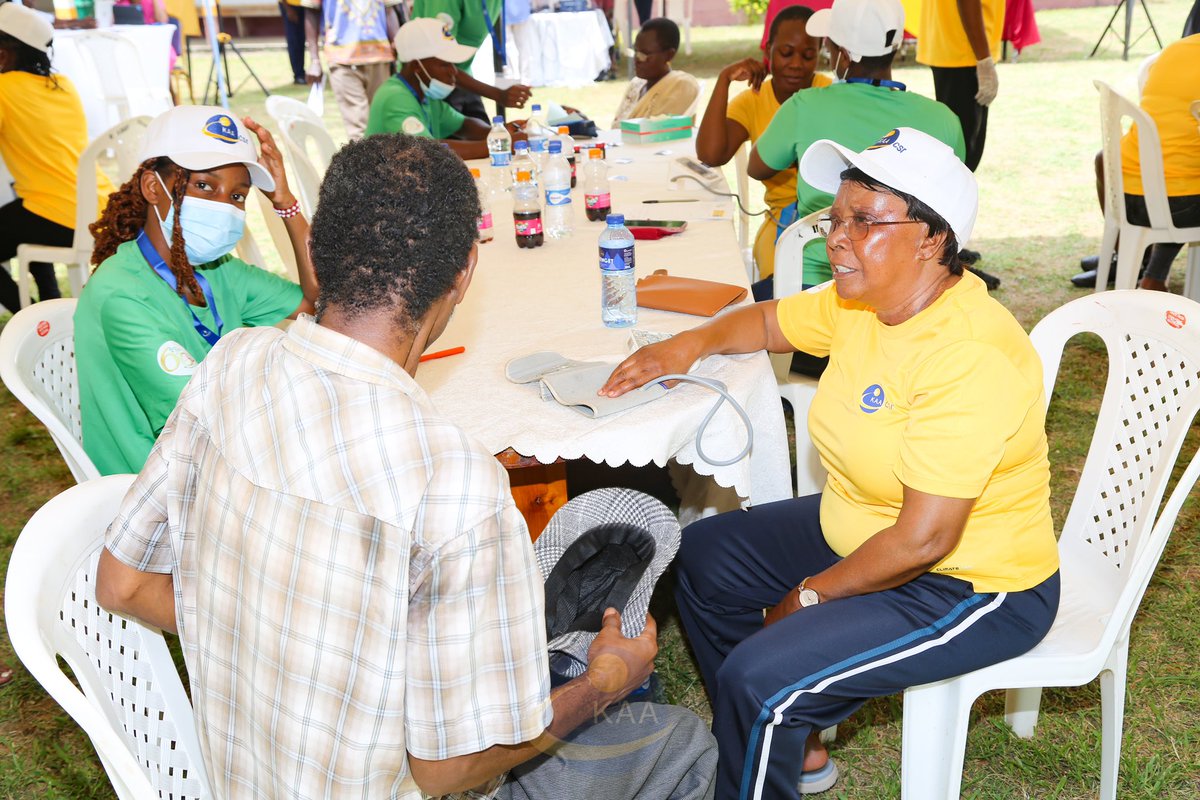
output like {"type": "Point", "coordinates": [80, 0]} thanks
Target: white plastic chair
{"type": "Point", "coordinates": [124, 140]}
{"type": "Point", "coordinates": [281, 108]}
{"type": "Point", "coordinates": [1110, 542]}
{"type": "Point", "coordinates": [1134, 239]}
{"type": "Point", "coordinates": [681, 12]}
{"type": "Point", "coordinates": [132, 705]}
{"type": "Point", "coordinates": [798, 390]}
{"type": "Point", "coordinates": [308, 164]}
{"type": "Point", "coordinates": [1143, 73]}
{"type": "Point", "coordinates": [741, 162]}
{"type": "Point", "coordinates": [126, 87]}
{"type": "Point", "coordinates": [37, 364]}
{"type": "Point", "coordinates": [694, 109]}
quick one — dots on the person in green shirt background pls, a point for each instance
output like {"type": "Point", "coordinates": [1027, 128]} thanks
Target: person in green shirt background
{"type": "Point", "coordinates": [413, 101]}
{"type": "Point", "coordinates": [166, 287]}
{"type": "Point", "coordinates": [470, 22]}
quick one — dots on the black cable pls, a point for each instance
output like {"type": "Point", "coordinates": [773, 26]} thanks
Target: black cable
{"type": "Point", "coordinates": [734, 195]}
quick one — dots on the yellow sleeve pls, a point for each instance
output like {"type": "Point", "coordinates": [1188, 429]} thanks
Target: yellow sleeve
{"type": "Point", "coordinates": [741, 111]}
{"type": "Point", "coordinates": [968, 400]}
{"type": "Point", "coordinates": [807, 319]}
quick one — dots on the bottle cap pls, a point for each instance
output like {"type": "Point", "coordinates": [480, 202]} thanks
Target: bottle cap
{"type": "Point", "coordinates": [615, 219]}
{"type": "Point", "coordinates": [522, 174]}
{"type": "Point", "coordinates": [475, 172]}
{"type": "Point", "coordinates": [537, 107]}
{"type": "Point", "coordinates": [564, 130]}
{"type": "Point", "coordinates": [555, 147]}
{"type": "Point", "coordinates": [595, 152]}
{"type": "Point", "coordinates": [497, 120]}
{"type": "Point", "coordinates": [519, 146]}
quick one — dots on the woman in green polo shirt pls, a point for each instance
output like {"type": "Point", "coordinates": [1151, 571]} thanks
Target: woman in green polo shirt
{"type": "Point", "coordinates": [166, 287]}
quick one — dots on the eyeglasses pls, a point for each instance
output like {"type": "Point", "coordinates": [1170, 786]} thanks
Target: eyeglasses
{"type": "Point", "coordinates": [857, 229]}
{"type": "Point", "coordinates": [644, 55]}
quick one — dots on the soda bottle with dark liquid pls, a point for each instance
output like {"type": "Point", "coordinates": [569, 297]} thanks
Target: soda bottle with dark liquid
{"type": "Point", "coordinates": [527, 212]}
{"type": "Point", "coordinates": [597, 201]}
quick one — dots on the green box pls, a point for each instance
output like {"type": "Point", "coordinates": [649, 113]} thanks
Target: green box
{"type": "Point", "coordinates": [643, 130]}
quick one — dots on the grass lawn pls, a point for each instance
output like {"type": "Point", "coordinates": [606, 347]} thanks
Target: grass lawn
{"type": "Point", "coordinates": [1038, 216]}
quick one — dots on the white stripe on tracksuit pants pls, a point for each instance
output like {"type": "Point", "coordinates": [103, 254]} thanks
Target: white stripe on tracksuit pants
{"type": "Point", "coordinates": [772, 686]}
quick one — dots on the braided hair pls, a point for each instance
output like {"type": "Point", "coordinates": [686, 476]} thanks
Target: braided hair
{"type": "Point", "coordinates": [125, 215]}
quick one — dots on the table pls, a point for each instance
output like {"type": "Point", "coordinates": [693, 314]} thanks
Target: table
{"type": "Point", "coordinates": [524, 301]}
{"type": "Point", "coordinates": [565, 48]}
{"type": "Point", "coordinates": [120, 72]}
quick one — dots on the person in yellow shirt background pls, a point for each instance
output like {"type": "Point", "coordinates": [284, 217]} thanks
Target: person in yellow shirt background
{"type": "Point", "coordinates": [43, 131]}
{"type": "Point", "coordinates": [792, 58]}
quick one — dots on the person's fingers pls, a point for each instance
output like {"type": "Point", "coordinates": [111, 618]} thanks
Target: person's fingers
{"type": "Point", "coordinates": [651, 629]}
{"type": "Point", "coordinates": [611, 619]}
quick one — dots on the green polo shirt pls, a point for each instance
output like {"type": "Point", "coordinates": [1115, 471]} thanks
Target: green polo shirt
{"type": "Point", "coordinates": [136, 346]}
{"type": "Point", "coordinates": [855, 115]}
{"type": "Point", "coordinates": [395, 109]}
{"type": "Point", "coordinates": [467, 23]}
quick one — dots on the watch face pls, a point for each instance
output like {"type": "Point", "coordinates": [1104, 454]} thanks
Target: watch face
{"type": "Point", "coordinates": [808, 597]}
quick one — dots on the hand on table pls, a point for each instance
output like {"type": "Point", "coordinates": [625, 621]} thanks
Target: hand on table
{"type": "Point", "coordinates": [617, 665]}
{"type": "Point", "coordinates": [272, 161]}
{"type": "Point", "coordinates": [671, 356]}
{"type": "Point", "coordinates": [748, 69]}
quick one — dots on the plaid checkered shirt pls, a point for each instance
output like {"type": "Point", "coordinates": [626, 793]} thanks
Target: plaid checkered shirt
{"type": "Point", "coordinates": [353, 581]}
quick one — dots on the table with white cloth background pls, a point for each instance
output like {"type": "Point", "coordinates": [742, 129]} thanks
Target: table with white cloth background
{"type": "Point", "coordinates": [120, 72]}
{"type": "Point", "coordinates": [548, 298]}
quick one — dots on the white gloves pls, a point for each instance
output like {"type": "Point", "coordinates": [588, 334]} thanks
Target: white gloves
{"type": "Point", "coordinates": [989, 83]}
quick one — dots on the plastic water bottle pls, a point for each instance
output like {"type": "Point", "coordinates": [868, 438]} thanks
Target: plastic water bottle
{"type": "Point", "coordinates": [556, 181]}
{"type": "Point", "coordinates": [597, 200]}
{"type": "Point", "coordinates": [486, 229]}
{"type": "Point", "coordinates": [568, 148]}
{"type": "Point", "coordinates": [538, 135]}
{"type": "Point", "coordinates": [527, 211]}
{"type": "Point", "coordinates": [522, 161]}
{"type": "Point", "coordinates": [499, 143]}
{"type": "Point", "coordinates": [618, 289]}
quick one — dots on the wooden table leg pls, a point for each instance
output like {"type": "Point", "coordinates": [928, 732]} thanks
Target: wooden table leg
{"type": "Point", "coordinates": [538, 489]}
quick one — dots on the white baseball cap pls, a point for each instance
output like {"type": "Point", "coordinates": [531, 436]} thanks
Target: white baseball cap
{"type": "Point", "coordinates": [863, 27]}
{"type": "Point", "coordinates": [26, 25]}
{"type": "Point", "coordinates": [203, 137]}
{"type": "Point", "coordinates": [906, 160]}
{"type": "Point", "coordinates": [430, 37]}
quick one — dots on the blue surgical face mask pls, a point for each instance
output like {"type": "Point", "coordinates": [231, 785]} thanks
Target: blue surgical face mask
{"type": "Point", "coordinates": [435, 89]}
{"type": "Point", "coordinates": [210, 229]}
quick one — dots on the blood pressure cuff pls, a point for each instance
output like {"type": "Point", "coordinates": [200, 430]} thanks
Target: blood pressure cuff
{"type": "Point", "coordinates": [574, 383]}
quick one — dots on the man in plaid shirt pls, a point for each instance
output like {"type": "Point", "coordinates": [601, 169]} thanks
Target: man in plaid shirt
{"type": "Point", "coordinates": [356, 593]}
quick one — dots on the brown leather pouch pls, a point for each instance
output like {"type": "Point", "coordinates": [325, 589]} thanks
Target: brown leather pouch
{"type": "Point", "coordinates": [686, 295]}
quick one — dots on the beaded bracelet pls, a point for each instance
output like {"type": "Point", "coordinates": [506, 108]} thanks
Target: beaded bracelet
{"type": "Point", "coordinates": [291, 211]}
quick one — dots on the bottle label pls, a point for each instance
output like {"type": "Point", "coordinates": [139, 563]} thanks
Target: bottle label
{"type": "Point", "coordinates": [501, 159]}
{"type": "Point", "coordinates": [558, 197]}
{"type": "Point", "coordinates": [485, 221]}
{"type": "Point", "coordinates": [528, 227]}
{"type": "Point", "coordinates": [615, 259]}
{"type": "Point", "coordinates": [537, 145]}
{"type": "Point", "coordinates": [598, 200]}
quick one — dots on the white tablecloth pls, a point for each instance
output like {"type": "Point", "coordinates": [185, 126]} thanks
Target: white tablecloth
{"type": "Point", "coordinates": [568, 48]}
{"type": "Point", "coordinates": [120, 72]}
{"type": "Point", "coordinates": [523, 301]}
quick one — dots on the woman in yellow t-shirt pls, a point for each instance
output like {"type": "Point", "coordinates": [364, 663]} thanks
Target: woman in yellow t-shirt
{"type": "Point", "coordinates": [792, 55]}
{"type": "Point", "coordinates": [930, 551]}
{"type": "Point", "coordinates": [42, 133]}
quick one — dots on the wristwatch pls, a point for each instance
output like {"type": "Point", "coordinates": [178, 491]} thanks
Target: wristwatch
{"type": "Point", "coordinates": [807, 597]}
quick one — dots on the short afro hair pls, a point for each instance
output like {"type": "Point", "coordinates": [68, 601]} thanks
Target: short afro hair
{"type": "Point", "coordinates": [665, 31]}
{"type": "Point", "coordinates": [788, 14]}
{"type": "Point", "coordinates": [394, 226]}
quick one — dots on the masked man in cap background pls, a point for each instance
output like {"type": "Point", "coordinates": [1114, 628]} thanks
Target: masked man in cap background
{"type": "Point", "coordinates": [862, 37]}
{"type": "Point", "coordinates": [414, 102]}
{"type": "Point", "coordinates": [42, 134]}
{"type": "Point", "coordinates": [356, 593]}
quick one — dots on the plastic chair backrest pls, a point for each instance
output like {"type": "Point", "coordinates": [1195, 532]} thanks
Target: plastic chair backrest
{"type": "Point", "coordinates": [1109, 543]}
{"type": "Point", "coordinates": [789, 252]}
{"type": "Point", "coordinates": [308, 170]}
{"type": "Point", "coordinates": [282, 108]}
{"type": "Point", "coordinates": [124, 140]}
{"type": "Point", "coordinates": [37, 364]}
{"type": "Point", "coordinates": [741, 163]}
{"type": "Point", "coordinates": [279, 238]}
{"type": "Point", "coordinates": [1195, 109]}
{"type": "Point", "coordinates": [132, 705]}
{"type": "Point", "coordinates": [1143, 73]}
{"type": "Point", "coordinates": [1113, 107]}
{"type": "Point", "coordinates": [118, 67]}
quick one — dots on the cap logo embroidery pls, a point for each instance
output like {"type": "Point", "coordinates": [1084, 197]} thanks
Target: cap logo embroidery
{"type": "Point", "coordinates": [888, 138]}
{"type": "Point", "coordinates": [222, 128]}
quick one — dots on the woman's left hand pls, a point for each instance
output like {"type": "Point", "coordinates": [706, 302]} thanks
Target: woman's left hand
{"type": "Point", "coordinates": [788, 605]}
{"type": "Point", "coordinates": [272, 161]}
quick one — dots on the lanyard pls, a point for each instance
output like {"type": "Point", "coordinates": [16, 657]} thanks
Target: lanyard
{"type": "Point", "coordinates": [422, 103]}
{"type": "Point", "coordinates": [156, 262]}
{"type": "Point", "coordinates": [879, 82]}
{"type": "Point", "coordinates": [498, 43]}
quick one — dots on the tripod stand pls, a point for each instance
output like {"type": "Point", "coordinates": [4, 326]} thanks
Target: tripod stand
{"type": "Point", "coordinates": [1128, 5]}
{"type": "Point", "coordinates": [225, 43]}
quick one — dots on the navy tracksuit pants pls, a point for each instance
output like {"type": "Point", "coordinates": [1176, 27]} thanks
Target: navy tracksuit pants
{"type": "Point", "coordinates": [771, 687]}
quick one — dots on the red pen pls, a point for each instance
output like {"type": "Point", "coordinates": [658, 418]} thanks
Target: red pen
{"type": "Point", "coordinates": [453, 351]}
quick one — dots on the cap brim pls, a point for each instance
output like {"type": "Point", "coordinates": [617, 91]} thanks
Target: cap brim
{"type": "Point", "coordinates": [456, 53]}
{"type": "Point", "coordinates": [824, 161]}
{"type": "Point", "coordinates": [259, 176]}
{"type": "Point", "coordinates": [819, 23]}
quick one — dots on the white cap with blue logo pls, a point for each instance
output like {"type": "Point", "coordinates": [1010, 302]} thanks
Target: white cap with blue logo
{"type": "Point", "coordinates": [863, 27]}
{"type": "Point", "coordinates": [908, 160]}
{"type": "Point", "coordinates": [201, 138]}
